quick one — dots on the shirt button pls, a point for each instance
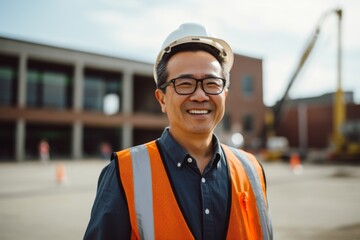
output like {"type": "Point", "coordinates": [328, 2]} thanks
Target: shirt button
{"type": "Point", "coordinates": [207, 211]}
{"type": "Point", "coordinates": [203, 180]}
{"type": "Point", "coordinates": [178, 164]}
{"type": "Point", "coordinates": [189, 160]}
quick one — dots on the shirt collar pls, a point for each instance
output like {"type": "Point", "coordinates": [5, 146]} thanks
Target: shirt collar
{"type": "Point", "coordinates": [177, 153]}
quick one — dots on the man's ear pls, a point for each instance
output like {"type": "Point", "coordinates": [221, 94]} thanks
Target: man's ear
{"type": "Point", "coordinates": [226, 92]}
{"type": "Point", "coordinates": [160, 96]}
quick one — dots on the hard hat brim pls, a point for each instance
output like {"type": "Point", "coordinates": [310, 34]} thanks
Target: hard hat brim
{"type": "Point", "coordinates": [224, 48]}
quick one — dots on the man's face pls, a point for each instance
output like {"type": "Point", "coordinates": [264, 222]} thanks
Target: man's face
{"type": "Point", "coordinates": [198, 113]}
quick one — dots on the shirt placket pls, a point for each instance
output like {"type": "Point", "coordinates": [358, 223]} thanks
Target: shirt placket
{"type": "Point", "coordinates": [207, 208]}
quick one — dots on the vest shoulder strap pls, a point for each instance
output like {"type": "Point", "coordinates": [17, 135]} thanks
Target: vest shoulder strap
{"type": "Point", "coordinates": [256, 178]}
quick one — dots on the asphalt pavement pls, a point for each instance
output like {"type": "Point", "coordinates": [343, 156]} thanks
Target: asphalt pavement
{"type": "Point", "coordinates": [323, 202]}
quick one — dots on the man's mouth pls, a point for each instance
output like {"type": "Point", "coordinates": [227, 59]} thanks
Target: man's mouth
{"type": "Point", "coordinates": [198, 112]}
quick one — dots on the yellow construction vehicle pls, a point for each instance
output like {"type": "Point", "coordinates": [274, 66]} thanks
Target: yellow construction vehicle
{"type": "Point", "coordinates": [341, 145]}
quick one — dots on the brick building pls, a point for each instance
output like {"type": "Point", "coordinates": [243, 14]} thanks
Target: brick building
{"type": "Point", "coordinates": [308, 122]}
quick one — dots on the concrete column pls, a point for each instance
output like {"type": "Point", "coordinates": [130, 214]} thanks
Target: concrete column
{"type": "Point", "coordinates": [22, 73]}
{"type": "Point", "coordinates": [77, 144]}
{"type": "Point", "coordinates": [127, 93]}
{"type": "Point", "coordinates": [78, 91]}
{"type": "Point", "coordinates": [127, 137]}
{"type": "Point", "coordinates": [78, 86]}
{"type": "Point", "coordinates": [127, 108]}
{"type": "Point", "coordinates": [20, 140]}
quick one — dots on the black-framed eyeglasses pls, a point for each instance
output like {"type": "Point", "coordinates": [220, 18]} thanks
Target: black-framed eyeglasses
{"type": "Point", "coordinates": [188, 85]}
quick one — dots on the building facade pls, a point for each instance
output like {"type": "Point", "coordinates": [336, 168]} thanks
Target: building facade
{"type": "Point", "coordinates": [86, 105]}
{"type": "Point", "coordinates": [308, 122]}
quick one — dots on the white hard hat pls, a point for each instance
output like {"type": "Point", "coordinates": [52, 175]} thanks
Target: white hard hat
{"type": "Point", "coordinates": [195, 33]}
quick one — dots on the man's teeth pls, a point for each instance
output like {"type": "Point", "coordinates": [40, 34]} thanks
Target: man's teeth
{"type": "Point", "coordinates": [198, 111]}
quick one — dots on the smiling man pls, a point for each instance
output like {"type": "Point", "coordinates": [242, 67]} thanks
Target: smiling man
{"type": "Point", "coordinates": [186, 184]}
{"type": "Point", "coordinates": [194, 100]}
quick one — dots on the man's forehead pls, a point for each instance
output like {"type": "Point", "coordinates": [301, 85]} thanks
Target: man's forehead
{"type": "Point", "coordinates": [194, 64]}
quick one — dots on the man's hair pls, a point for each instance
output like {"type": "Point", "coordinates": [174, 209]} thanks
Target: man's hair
{"type": "Point", "coordinates": [161, 70]}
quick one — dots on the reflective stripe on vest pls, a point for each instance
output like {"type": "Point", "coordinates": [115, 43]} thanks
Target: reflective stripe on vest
{"type": "Point", "coordinates": [260, 201]}
{"type": "Point", "coordinates": [143, 191]}
{"type": "Point", "coordinates": [143, 202]}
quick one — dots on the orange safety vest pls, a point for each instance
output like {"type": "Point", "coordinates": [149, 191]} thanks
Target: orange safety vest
{"type": "Point", "coordinates": [155, 214]}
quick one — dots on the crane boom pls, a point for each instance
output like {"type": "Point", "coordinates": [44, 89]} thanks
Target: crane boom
{"type": "Point", "coordinates": [277, 109]}
{"type": "Point", "coordinates": [304, 57]}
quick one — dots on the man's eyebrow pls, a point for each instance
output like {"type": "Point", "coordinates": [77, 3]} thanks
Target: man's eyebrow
{"type": "Point", "coordinates": [185, 75]}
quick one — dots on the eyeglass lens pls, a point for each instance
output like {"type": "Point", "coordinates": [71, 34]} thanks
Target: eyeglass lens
{"type": "Point", "coordinates": [189, 85]}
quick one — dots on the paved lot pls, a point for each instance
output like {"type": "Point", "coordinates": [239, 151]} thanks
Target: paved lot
{"type": "Point", "coordinates": [321, 203]}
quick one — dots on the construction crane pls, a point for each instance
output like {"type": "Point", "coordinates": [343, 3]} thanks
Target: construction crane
{"type": "Point", "coordinates": [273, 118]}
{"type": "Point", "coordinates": [277, 109]}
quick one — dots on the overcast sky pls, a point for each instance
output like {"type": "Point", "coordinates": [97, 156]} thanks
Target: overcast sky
{"type": "Point", "coordinates": [275, 31]}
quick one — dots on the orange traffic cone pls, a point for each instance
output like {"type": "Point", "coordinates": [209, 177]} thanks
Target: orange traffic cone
{"type": "Point", "coordinates": [295, 164]}
{"type": "Point", "coordinates": [60, 173]}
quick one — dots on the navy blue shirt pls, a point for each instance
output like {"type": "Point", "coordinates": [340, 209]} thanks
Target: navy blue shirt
{"type": "Point", "coordinates": [203, 198]}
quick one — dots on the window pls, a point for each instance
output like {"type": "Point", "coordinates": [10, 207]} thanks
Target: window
{"type": "Point", "coordinates": [49, 86]}
{"type": "Point", "coordinates": [144, 86]}
{"type": "Point", "coordinates": [248, 85]}
{"type": "Point", "coordinates": [100, 142]}
{"type": "Point", "coordinates": [58, 137]}
{"type": "Point", "coordinates": [7, 140]}
{"type": "Point", "coordinates": [54, 89]}
{"type": "Point", "coordinates": [142, 136]}
{"type": "Point", "coordinates": [94, 90]}
{"type": "Point", "coordinates": [8, 80]}
{"type": "Point", "coordinates": [98, 85]}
